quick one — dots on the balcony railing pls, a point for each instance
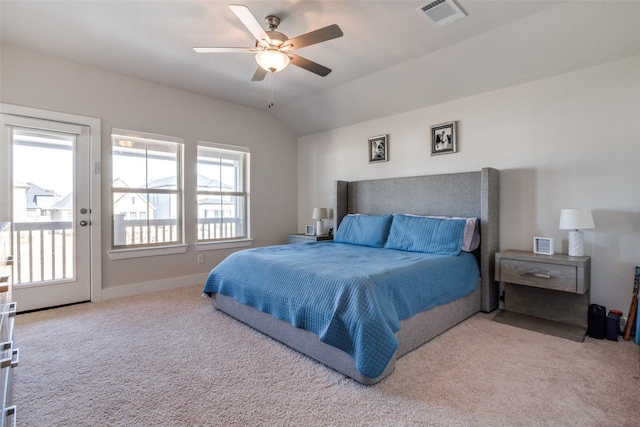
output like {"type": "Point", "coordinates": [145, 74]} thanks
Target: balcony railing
{"type": "Point", "coordinates": [220, 228]}
{"type": "Point", "coordinates": [131, 232]}
{"type": "Point", "coordinates": [141, 232]}
{"type": "Point", "coordinates": [44, 251]}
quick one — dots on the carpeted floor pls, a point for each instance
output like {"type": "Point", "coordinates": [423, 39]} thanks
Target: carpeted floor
{"type": "Point", "coordinates": [169, 359]}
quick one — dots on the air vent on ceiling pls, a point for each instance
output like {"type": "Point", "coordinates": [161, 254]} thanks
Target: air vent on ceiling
{"type": "Point", "coordinates": [441, 12]}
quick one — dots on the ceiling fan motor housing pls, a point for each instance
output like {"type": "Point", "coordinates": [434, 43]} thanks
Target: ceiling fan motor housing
{"type": "Point", "coordinates": [277, 38]}
{"type": "Point", "coordinates": [272, 22]}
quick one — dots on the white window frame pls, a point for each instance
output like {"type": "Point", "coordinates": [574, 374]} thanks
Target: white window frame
{"type": "Point", "coordinates": [225, 243]}
{"type": "Point", "coordinates": [144, 250]}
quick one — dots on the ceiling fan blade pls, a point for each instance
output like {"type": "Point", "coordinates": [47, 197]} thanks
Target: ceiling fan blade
{"type": "Point", "coordinates": [309, 65]}
{"type": "Point", "coordinates": [313, 37]}
{"type": "Point", "coordinates": [225, 50]}
{"type": "Point", "coordinates": [259, 75]}
{"type": "Point", "coordinates": [246, 17]}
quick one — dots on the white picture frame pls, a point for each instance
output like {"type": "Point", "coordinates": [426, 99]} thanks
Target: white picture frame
{"type": "Point", "coordinates": [310, 230]}
{"type": "Point", "coordinates": [543, 245]}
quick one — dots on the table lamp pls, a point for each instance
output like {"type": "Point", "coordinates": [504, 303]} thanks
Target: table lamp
{"type": "Point", "coordinates": [574, 220]}
{"type": "Point", "coordinates": [319, 214]}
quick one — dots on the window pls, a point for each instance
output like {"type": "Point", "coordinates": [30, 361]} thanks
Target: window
{"type": "Point", "coordinates": [147, 193]}
{"type": "Point", "coordinates": [223, 192]}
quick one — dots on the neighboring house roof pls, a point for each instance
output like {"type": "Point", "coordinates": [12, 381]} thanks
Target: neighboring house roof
{"type": "Point", "coordinates": [204, 181]}
{"type": "Point", "coordinates": [137, 195]}
{"type": "Point", "coordinates": [119, 182]}
{"type": "Point", "coordinates": [34, 191]}
{"type": "Point", "coordinates": [168, 182]}
{"type": "Point", "coordinates": [65, 203]}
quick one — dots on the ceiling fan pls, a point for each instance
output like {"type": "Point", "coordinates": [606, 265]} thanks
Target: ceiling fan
{"type": "Point", "coordinates": [273, 49]}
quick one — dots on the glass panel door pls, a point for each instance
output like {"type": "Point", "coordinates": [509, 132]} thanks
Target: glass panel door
{"type": "Point", "coordinates": [49, 207]}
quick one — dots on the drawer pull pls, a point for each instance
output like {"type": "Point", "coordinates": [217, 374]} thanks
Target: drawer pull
{"type": "Point", "coordinates": [13, 307]}
{"type": "Point", "coordinates": [11, 412]}
{"type": "Point", "coordinates": [15, 356]}
{"type": "Point", "coordinates": [6, 358]}
{"type": "Point", "coordinates": [537, 275]}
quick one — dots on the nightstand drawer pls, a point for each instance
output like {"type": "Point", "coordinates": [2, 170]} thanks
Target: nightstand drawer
{"type": "Point", "coordinates": [540, 275]}
{"type": "Point", "coordinates": [304, 238]}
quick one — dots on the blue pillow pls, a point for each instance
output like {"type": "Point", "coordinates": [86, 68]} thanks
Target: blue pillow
{"type": "Point", "coordinates": [442, 236]}
{"type": "Point", "coordinates": [364, 230]}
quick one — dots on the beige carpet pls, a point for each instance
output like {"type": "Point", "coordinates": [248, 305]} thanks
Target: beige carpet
{"type": "Point", "coordinates": [169, 360]}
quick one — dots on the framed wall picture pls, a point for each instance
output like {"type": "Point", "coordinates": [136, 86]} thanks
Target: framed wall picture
{"type": "Point", "coordinates": [379, 148]}
{"type": "Point", "coordinates": [443, 138]}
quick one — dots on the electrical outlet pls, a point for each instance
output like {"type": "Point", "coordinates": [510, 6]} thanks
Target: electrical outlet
{"type": "Point", "coordinates": [200, 258]}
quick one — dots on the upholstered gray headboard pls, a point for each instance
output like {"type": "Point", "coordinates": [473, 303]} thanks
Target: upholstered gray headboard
{"type": "Point", "coordinates": [467, 194]}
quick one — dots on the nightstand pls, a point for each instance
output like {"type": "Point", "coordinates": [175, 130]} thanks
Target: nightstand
{"type": "Point", "coordinates": [545, 293]}
{"type": "Point", "coordinates": [303, 238]}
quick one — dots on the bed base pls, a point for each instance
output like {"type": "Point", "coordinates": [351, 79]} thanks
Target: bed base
{"type": "Point", "coordinates": [413, 332]}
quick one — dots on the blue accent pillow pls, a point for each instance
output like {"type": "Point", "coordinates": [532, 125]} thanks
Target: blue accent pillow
{"type": "Point", "coordinates": [364, 230]}
{"type": "Point", "coordinates": [442, 236]}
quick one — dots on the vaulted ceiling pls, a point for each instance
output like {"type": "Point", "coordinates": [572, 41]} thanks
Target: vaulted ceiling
{"type": "Point", "coordinates": [391, 58]}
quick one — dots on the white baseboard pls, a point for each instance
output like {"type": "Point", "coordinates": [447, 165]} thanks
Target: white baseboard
{"type": "Point", "coordinates": [153, 286]}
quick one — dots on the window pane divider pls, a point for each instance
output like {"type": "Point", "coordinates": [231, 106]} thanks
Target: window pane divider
{"type": "Point", "coordinates": [145, 190]}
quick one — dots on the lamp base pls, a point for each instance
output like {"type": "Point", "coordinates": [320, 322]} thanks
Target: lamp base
{"type": "Point", "coordinates": [319, 228]}
{"type": "Point", "coordinates": [576, 243]}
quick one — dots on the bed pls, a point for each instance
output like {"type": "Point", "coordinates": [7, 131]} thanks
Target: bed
{"type": "Point", "coordinates": [364, 326]}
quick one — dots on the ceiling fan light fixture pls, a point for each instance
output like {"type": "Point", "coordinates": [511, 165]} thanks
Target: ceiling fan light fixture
{"type": "Point", "coordinates": [272, 60]}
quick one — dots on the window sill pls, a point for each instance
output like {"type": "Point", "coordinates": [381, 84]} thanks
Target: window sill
{"type": "Point", "coordinates": [146, 252]}
{"type": "Point", "coordinates": [228, 244]}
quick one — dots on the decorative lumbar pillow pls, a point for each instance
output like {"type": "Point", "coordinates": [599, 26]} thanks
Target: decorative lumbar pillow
{"type": "Point", "coordinates": [364, 230]}
{"type": "Point", "coordinates": [442, 236]}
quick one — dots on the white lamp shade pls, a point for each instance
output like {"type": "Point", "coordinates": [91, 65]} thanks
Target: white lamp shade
{"type": "Point", "coordinates": [272, 60]}
{"type": "Point", "coordinates": [576, 219]}
{"type": "Point", "coordinates": [320, 213]}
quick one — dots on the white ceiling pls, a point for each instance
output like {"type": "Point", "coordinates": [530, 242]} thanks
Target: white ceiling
{"type": "Point", "coordinates": [390, 59]}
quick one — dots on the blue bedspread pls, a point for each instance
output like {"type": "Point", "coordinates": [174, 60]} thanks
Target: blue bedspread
{"type": "Point", "coordinates": [352, 297]}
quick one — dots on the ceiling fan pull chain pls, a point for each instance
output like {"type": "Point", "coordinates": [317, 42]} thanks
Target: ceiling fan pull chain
{"type": "Point", "coordinates": [270, 90]}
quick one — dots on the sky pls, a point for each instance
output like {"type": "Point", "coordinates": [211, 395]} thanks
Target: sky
{"type": "Point", "coordinates": [51, 169]}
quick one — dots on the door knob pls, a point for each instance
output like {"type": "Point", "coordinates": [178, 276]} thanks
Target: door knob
{"type": "Point", "coordinates": [83, 223]}
{"type": "Point", "coordinates": [84, 210]}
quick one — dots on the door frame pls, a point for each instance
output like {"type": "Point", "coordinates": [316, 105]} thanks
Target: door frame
{"type": "Point", "coordinates": [95, 201]}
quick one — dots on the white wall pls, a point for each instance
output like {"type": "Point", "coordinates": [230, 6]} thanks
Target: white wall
{"type": "Point", "coordinates": [39, 81]}
{"type": "Point", "coordinates": [568, 141]}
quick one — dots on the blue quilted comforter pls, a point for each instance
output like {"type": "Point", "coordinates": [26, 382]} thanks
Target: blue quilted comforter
{"type": "Point", "coordinates": [352, 297]}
